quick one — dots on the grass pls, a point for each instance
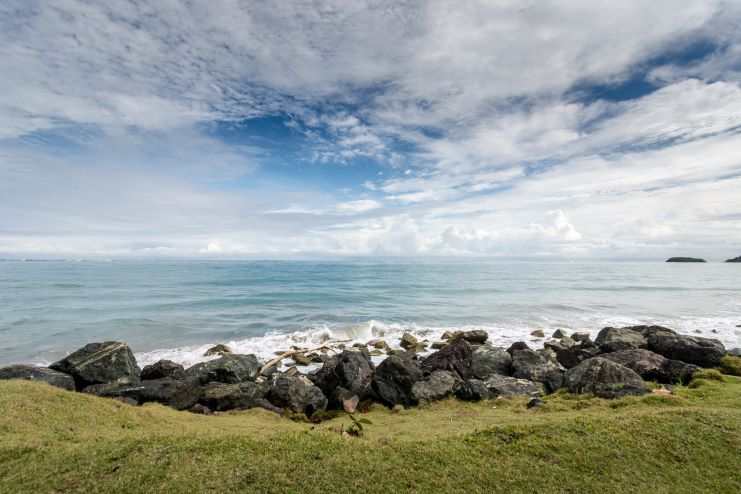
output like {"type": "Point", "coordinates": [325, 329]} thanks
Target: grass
{"type": "Point", "coordinates": [56, 441]}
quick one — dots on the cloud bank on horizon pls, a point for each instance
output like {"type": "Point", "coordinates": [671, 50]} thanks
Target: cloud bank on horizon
{"type": "Point", "coordinates": [238, 128]}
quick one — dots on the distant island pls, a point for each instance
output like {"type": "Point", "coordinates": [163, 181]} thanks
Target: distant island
{"type": "Point", "coordinates": [685, 259]}
{"type": "Point", "coordinates": [735, 259]}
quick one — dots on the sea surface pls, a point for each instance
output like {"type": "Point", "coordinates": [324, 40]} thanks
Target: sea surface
{"type": "Point", "coordinates": [178, 309]}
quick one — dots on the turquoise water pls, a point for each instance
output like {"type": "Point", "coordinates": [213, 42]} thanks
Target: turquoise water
{"type": "Point", "coordinates": [176, 309]}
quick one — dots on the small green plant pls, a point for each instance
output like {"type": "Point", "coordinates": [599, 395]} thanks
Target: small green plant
{"type": "Point", "coordinates": [730, 365]}
{"type": "Point", "coordinates": [355, 428]}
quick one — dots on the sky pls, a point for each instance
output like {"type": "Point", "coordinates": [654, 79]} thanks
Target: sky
{"type": "Point", "coordinates": [251, 129]}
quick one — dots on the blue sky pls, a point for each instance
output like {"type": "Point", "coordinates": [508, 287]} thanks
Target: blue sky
{"type": "Point", "coordinates": [229, 129]}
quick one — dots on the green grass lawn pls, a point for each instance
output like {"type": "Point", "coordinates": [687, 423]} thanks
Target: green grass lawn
{"type": "Point", "coordinates": [57, 441]}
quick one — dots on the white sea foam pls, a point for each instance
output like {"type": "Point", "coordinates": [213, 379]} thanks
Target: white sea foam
{"type": "Point", "coordinates": [264, 347]}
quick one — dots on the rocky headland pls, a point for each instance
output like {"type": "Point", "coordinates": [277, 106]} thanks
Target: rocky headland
{"type": "Point", "coordinates": [685, 259]}
{"type": "Point", "coordinates": [735, 259]}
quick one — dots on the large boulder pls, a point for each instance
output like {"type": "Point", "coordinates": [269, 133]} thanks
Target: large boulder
{"type": "Point", "coordinates": [487, 361]}
{"type": "Point", "coordinates": [474, 336]}
{"type": "Point", "coordinates": [511, 386]}
{"type": "Point", "coordinates": [41, 374]}
{"type": "Point", "coordinates": [615, 339]}
{"type": "Point", "coordinates": [436, 387]}
{"type": "Point", "coordinates": [599, 374]}
{"type": "Point", "coordinates": [394, 378]}
{"type": "Point", "coordinates": [228, 369]}
{"type": "Point", "coordinates": [473, 390]}
{"type": "Point", "coordinates": [220, 396]}
{"type": "Point", "coordinates": [517, 345]}
{"type": "Point", "coordinates": [98, 363]}
{"type": "Point", "coordinates": [705, 352]}
{"type": "Point", "coordinates": [352, 370]}
{"type": "Point", "coordinates": [456, 358]}
{"type": "Point", "coordinates": [179, 395]}
{"type": "Point", "coordinates": [532, 366]}
{"type": "Point", "coordinates": [294, 393]}
{"type": "Point", "coordinates": [575, 355]}
{"type": "Point", "coordinates": [652, 366]}
{"type": "Point", "coordinates": [161, 369]}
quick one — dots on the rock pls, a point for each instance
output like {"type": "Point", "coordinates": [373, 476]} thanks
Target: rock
{"type": "Point", "coordinates": [599, 374]}
{"type": "Point", "coordinates": [511, 386]}
{"type": "Point", "coordinates": [735, 259]}
{"type": "Point", "coordinates": [352, 370]}
{"type": "Point", "coordinates": [559, 333]}
{"type": "Point", "coordinates": [457, 358]}
{"type": "Point", "coordinates": [293, 393]}
{"type": "Point", "coordinates": [220, 396]}
{"type": "Point", "coordinates": [408, 342]}
{"type": "Point", "coordinates": [517, 345]}
{"type": "Point", "coordinates": [473, 390]}
{"type": "Point", "coordinates": [439, 345]}
{"type": "Point", "coordinates": [98, 363]}
{"type": "Point", "coordinates": [394, 378]}
{"type": "Point", "coordinates": [529, 365]}
{"type": "Point", "coordinates": [379, 344]}
{"type": "Point", "coordinates": [338, 397]}
{"type": "Point", "coordinates": [611, 394]}
{"type": "Point", "coordinates": [265, 405]}
{"type": "Point", "coordinates": [300, 359]}
{"type": "Point", "coordinates": [615, 339]}
{"type": "Point", "coordinates": [375, 353]}
{"type": "Point", "coordinates": [652, 366]}
{"type": "Point", "coordinates": [579, 337]}
{"type": "Point", "coordinates": [553, 380]}
{"type": "Point", "coordinates": [41, 374]}
{"type": "Point", "coordinates": [436, 387]}
{"type": "Point", "coordinates": [705, 352]}
{"type": "Point", "coordinates": [179, 395]}
{"type": "Point", "coordinates": [685, 259]}
{"type": "Point", "coordinates": [218, 350]}
{"type": "Point", "coordinates": [229, 369]}
{"type": "Point", "coordinates": [535, 402]}
{"type": "Point", "coordinates": [538, 333]}
{"type": "Point", "coordinates": [163, 368]}
{"type": "Point", "coordinates": [734, 352]}
{"type": "Point", "coordinates": [487, 361]}
{"type": "Point", "coordinates": [475, 336]}
{"type": "Point", "coordinates": [200, 409]}
{"type": "Point", "coordinates": [448, 335]}
{"type": "Point", "coordinates": [575, 355]}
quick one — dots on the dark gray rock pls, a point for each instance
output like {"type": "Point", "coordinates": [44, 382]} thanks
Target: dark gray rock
{"type": "Point", "coordinates": [473, 390]}
{"type": "Point", "coordinates": [511, 386]}
{"type": "Point", "coordinates": [705, 352]}
{"type": "Point", "coordinates": [475, 336]}
{"type": "Point", "coordinates": [456, 358]}
{"type": "Point", "coordinates": [487, 361]}
{"type": "Point", "coordinates": [734, 352]}
{"type": "Point", "coordinates": [527, 364]}
{"type": "Point", "coordinates": [599, 374]}
{"type": "Point", "coordinates": [220, 396]}
{"type": "Point", "coordinates": [163, 368]}
{"type": "Point", "coordinates": [294, 393]}
{"type": "Point", "coordinates": [652, 366]}
{"type": "Point", "coordinates": [200, 409]}
{"type": "Point", "coordinates": [219, 349]}
{"type": "Point", "coordinates": [558, 334]}
{"type": "Point", "coordinates": [337, 398]}
{"type": "Point", "coordinates": [264, 404]}
{"type": "Point", "coordinates": [437, 386]}
{"type": "Point", "coordinates": [98, 363]}
{"type": "Point", "coordinates": [579, 337]}
{"type": "Point", "coordinates": [517, 345]}
{"type": "Point", "coordinates": [616, 339]}
{"type": "Point", "coordinates": [352, 370]}
{"type": "Point", "coordinates": [41, 374]}
{"type": "Point", "coordinates": [394, 378]}
{"type": "Point", "coordinates": [228, 369]}
{"type": "Point", "coordinates": [180, 395]}
{"type": "Point", "coordinates": [534, 403]}
{"type": "Point", "coordinates": [575, 355]}
{"type": "Point", "coordinates": [553, 380]}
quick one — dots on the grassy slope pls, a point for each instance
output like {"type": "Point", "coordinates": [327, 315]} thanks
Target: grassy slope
{"type": "Point", "coordinates": [52, 440]}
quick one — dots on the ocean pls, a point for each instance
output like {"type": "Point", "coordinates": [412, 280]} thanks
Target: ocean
{"type": "Point", "coordinates": [178, 309]}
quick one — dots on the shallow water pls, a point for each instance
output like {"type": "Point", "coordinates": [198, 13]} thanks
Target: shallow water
{"type": "Point", "coordinates": [177, 309]}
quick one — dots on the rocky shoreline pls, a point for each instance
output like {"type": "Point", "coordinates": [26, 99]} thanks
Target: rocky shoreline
{"type": "Point", "coordinates": [616, 364]}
